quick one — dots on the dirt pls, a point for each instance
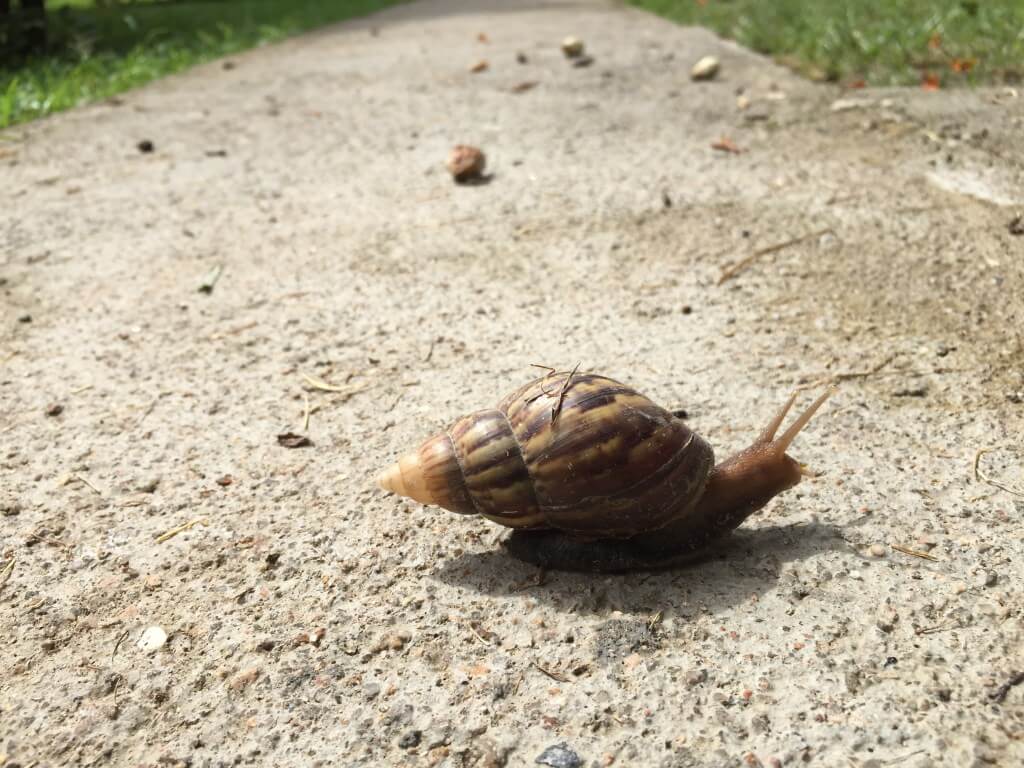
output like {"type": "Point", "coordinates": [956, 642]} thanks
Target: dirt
{"type": "Point", "coordinates": [869, 616]}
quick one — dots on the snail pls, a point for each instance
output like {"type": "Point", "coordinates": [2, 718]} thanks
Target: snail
{"type": "Point", "coordinates": [593, 476]}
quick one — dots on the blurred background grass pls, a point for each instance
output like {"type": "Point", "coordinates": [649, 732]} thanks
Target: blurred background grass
{"type": "Point", "coordinates": [97, 48]}
{"type": "Point", "coordinates": [878, 42]}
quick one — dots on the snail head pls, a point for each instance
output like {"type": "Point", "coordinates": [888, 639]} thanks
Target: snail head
{"type": "Point", "coordinates": [748, 480]}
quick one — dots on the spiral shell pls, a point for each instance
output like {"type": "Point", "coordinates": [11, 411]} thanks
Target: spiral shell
{"type": "Point", "coordinates": [575, 452]}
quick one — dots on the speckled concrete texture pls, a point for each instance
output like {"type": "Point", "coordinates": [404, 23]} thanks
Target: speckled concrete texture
{"type": "Point", "coordinates": [871, 616]}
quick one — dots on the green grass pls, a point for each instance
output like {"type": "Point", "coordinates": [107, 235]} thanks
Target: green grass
{"type": "Point", "coordinates": [99, 50]}
{"type": "Point", "coordinates": [882, 42]}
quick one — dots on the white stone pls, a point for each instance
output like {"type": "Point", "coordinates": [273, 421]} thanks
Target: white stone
{"type": "Point", "coordinates": [705, 69]}
{"type": "Point", "coordinates": [152, 639]}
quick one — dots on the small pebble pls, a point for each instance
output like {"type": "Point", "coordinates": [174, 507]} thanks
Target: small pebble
{"type": "Point", "coordinates": [877, 550]}
{"type": "Point", "coordinates": [149, 484]}
{"type": "Point", "coordinates": [572, 47]}
{"type": "Point", "coordinates": [559, 755]}
{"type": "Point", "coordinates": [705, 69]}
{"type": "Point", "coordinates": [828, 241]}
{"type": "Point", "coordinates": [959, 588]}
{"type": "Point", "coordinates": [696, 677]}
{"type": "Point", "coordinates": [410, 739]}
{"type": "Point", "coordinates": [55, 409]}
{"type": "Point", "coordinates": [26, 318]}
{"type": "Point", "coordinates": [886, 619]}
{"type": "Point", "coordinates": [145, 146]}
{"type": "Point", "coordinates": [845, 105]}
{"type": "Point", "coordinates": [466, 163]}
{"type": "Point", "coordinates": [913, 390]}
{"type": "Point", "coordinates": [987, 579]}
{"type": "Point", "coordinates": [371, 690]}
{"type": "Point", "coordinates": [313, 637]}
{"type": "Point", "coordinates": [152, 639]}
{"type": "Point", "coordinates": [245, 678]}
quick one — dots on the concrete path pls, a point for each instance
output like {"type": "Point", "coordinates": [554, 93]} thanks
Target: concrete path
{"type": "Point", "coordinates": [869, 616]}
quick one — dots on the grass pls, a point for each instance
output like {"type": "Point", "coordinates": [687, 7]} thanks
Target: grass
{"type": "Point", "coordinates": [936, 43]}
{"type": "Point", "coordinates": [100, 49]}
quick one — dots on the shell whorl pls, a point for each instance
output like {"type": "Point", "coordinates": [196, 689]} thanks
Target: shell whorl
{"type": "Point", "coordinates": [430, 475]}
{"type": "Point", "coordinates": [580, 453]}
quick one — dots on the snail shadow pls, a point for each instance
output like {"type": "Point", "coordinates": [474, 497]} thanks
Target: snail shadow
{"type": "Point", "coordinates": [749, 563]}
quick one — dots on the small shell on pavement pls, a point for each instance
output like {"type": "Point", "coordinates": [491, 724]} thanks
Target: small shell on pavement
{"type": "Point", "coordinates": [705, 69]}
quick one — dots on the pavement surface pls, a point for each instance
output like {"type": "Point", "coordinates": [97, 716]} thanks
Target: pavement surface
{"type": "Point", "coordinates": [180, 586]}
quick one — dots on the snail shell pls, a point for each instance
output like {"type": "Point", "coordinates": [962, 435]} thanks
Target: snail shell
{"type": "Point", "coordinates": [591, 457]}
{"type": "Point", "coordinates": [594, 476]}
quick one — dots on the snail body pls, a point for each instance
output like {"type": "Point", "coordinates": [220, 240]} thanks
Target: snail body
{"type": "Point", "coordinates": [592, 475]}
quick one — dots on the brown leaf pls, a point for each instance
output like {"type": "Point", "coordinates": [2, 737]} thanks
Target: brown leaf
{"type": "Point", "coordinates": [726, 145]}
{"type": "Point", "coordinates": [292, 440]}
{"type": "Point", "coordinates": [931, 82]}
{"type": "Point", "coordinates": [524, 86]}
{"type": "Point", "coordinates": [480, 66]}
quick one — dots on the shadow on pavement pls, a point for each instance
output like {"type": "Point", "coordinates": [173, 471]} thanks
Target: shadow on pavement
{"type": "Point", "coordinates": [746, 565]}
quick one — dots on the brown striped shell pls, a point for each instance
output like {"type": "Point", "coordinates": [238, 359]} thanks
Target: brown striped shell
{"type": "Point", "coordinates": [575, 452]}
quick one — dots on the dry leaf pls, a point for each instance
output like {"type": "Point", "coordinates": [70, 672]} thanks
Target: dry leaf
{"type": "Point", "coordinates": [292, 440]}
{"type": "Point", "coordinates": [726, 145]}
{"type": "Point", "coordinates": [524, 86]}
{"type": "Point", "coordinates": [931, 82]}
{"type": "Point", "coordinates": [480, 66]}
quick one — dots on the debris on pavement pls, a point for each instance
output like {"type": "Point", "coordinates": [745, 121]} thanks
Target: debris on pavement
{"type": "Point", "coordinates": [572, 47]}
{"type": "Point", "coordinates": [466, 163]}
{"type": "Point", "coordinates": [706, 68]}
{"type": "Point", "coordinates": [293, 440]}
{"type": "Point", "coordinates": [152, 639]}
{"type": "Point", "coordinates": [559, 755]}
{"type": "Point", "coordinates": [210, 280]}
{"type": "Point", "coordinates": [725, 144]}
